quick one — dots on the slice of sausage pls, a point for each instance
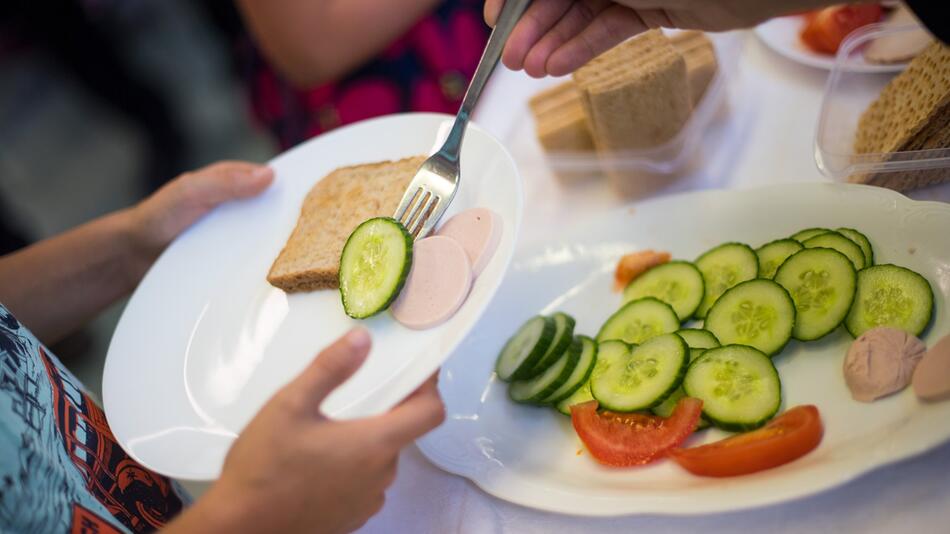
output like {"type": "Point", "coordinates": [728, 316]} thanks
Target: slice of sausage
{"type": "Point", "coordinates": [438, 283]}
{"type": "Point", "coordinates": [478, 230]}
{"type": "Point", "coordinates": [932, 376]}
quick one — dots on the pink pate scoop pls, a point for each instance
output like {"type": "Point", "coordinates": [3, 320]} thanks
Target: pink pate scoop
{"type": "Point", "coordinates": [880, 362]}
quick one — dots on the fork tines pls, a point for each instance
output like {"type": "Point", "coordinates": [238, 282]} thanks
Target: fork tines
{"type": "Point", "coordinates": [415, 209]}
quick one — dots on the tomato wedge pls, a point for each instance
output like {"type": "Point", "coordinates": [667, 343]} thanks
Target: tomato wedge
{"type": "Point", "coordinates": [628, 439]}
{"type": "Point", "coordinates": [634, 264]}
{"type": "Point", "coordinates": [826, 28]}
{"type": "Point", "coordinates": [786, 438]}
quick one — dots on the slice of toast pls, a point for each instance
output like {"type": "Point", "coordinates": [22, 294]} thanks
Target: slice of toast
{"type": "Point", "coordinates": [335, 206]}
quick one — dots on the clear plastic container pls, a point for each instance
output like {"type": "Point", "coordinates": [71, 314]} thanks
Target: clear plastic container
{"type": "Point", "coordinates": [848, 94]}
{"type": "Point", "coordinates": [663, 160]}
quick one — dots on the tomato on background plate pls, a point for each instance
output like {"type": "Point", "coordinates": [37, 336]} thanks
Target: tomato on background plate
{"type": "Point", "coordinates": [787, 437]}
{"type": "Point", "coordinates": [629, 439]}
{"type": "Point", "coordinates": [826, 28]}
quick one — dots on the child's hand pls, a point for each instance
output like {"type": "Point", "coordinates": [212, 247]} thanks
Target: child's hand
{"type": "Point", "coordinates": [160, 218]}
{"type": "Point", "coordinates": [294, 470]}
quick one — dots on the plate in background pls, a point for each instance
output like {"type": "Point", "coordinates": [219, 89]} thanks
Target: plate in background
{"type": "Point", "coordinates": [781, 35]}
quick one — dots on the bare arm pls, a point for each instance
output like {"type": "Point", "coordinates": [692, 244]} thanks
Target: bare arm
{"type": "Point", "coordinates": [315, 41]}
{"type": "Point", "coordinates": [54, 286]}
{"type": "Point", "coordinates": [58, 284]}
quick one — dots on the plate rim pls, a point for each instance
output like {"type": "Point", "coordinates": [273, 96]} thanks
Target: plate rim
{"type": "Point", "coordinates": [849, 471]}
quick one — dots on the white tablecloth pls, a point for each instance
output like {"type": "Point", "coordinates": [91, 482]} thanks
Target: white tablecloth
{"type": "Point", "coordinates": [768, 138]}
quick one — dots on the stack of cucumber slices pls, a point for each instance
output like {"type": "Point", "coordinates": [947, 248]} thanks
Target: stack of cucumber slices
{"type": "Point", "coordinates": [751, 304]}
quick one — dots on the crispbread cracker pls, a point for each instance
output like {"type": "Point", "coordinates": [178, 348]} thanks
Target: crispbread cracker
{"type": "Point", "coordinates": [636, 95]}
{"type": "Point", "coordinates": [553, 98]}
{"type": "Point", "coordinates": [560, 121]}
{"type": "Point", "coordinates": [907, 104]}
{"type": "Point", "coordinates": [911, 113]}
{"type": "Point", "coordinates": [622, 58]}
{"type": "Point", "coordinates": [333, 208]}
{"type": "Point", "coordinates": [701, 64]}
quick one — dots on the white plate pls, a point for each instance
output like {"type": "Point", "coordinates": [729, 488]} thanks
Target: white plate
{"type": "Point", "coordinates": [205, 340]}
{"type": "Point", "coordinates": [531, 456]}
{"type": "Point", "coordinates": [781, 35]}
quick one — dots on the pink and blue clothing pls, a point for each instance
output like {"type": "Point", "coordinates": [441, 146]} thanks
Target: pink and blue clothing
{"type": "Point", "coordinates": [427, 69]}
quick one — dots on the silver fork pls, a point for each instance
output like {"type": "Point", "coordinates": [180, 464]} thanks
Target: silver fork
{"type": "Point", "coordinates": [434, 185]}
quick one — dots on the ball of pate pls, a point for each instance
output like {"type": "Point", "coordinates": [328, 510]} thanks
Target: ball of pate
{"type": "Point", "coordinates": [881, 362]}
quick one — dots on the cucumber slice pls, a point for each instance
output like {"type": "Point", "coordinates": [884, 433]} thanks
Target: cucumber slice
{"type": "Point", "coordinates": [373, 266]}
{"type": "Point", "coordinates": [639, 320]}
{"type": "Point", "coordinates": [804, 235]}
{"type": "Point", "coordinates": [862, 242]}
{"type": "Point", "coordinates": [723, 267]}
{"type": "Point", "coordinates": [665, 408]}
{"type": "Point", "coordinates": [580, 396]}
{"type": "Point", "coordinates": [739, 387]}
{"type": "Point", "coordinates": [538, 388]}
{"type": "Point", "coordinates": [821, 282]}
{"type": "Point", "coordinates": [523, 350]}
{"type": "Point", "coordinates": [581, 374]}
{"type": "Point", "coordinates": [888, 295]}
{"type": "Point", "coordinates": [840, 243]}
{"type": "Point", "coordinates": [772, 255]}
{"type": "Point", "coordinates": [700, 337]}
{"type": "Point", "coordinates": [758, 313]}
{"type": "Point", "coordinates": [583, 393]}
{"type": "Point", "coordinates": [677, 283]}
{"type": "Point", "coordinates": [697, 338]}
{"type": "Point", "coordinates": [563, 334]}
{"type": "Point", "coordinates": [642, 377]}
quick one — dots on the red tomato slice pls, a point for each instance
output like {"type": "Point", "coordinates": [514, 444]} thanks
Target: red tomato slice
{"type": "Point", "coordinates": [787, 437]}
{"type": "Point", "coordinates": [628, 439]}
{"type": "Point", "coordinates": [825, 29]}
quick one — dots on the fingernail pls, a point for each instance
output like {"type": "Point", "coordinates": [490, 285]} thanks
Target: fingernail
{"type": "Point", "coordinates": [262, 172]}
{"type": "Point", "coordinates": [358, 338]}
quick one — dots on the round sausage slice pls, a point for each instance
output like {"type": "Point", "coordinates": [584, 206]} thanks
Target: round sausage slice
{"type": "Point", "coordinates": [478, 230]}
{"type": "Point", "coordinates": [932, 377]}
{"type": "Point", "coordinates": [438, 283]}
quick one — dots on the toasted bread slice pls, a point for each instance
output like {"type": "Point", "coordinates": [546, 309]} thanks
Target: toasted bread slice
{"type": "Point", "coordinates": [335, 206]}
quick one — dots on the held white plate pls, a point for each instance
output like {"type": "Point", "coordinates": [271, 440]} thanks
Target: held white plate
{"type": "Point", "coordinates": [531, 456]}
{"type": "Point", "coordinates": [781, 34]}
{"type": "Point", "coordinates": [205, 340]}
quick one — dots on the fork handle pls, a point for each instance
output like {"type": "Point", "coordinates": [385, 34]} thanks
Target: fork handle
{"type": "Point", "coordinates": [510, 15]}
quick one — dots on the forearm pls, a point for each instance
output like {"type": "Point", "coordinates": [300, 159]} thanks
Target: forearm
{"type": "Point", "coordinates": [58, 284]}
{"type": "Point", "coordinates": [313, 42]}
{"type": "Point", "coordinates": [213, 512]}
